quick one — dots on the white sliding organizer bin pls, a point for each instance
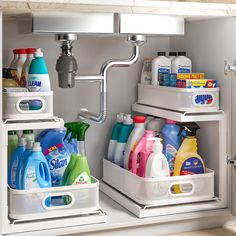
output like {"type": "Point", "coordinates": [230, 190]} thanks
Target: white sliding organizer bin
{"type": "Point", "coordinates": [159, 191]}
{"type": "Point", "coordinates": [12, 109]}
{"type": "Point", "coordinates": [179, 99]}
{"type": "Point", "coordinates": [32, 204]}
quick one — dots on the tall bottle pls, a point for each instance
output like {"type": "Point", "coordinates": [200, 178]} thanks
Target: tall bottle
{"type": "Point", "coordinates": [181, 64]}
{"type": "Point", "coordinates": [172, 141]}
{"type": "Point", "coordinates": [20, 63]}
{"type": "Point", "coordinates": [160, 65]}
{"type": "Point", "coordinates": [114, 136]}
{"type": "Point", "coordinates": [14, 60]}
{"type": "Point", "coordinates": [135, 136]}
{"type": "Point", "coordinates": [12, 144]}
{"type": "Point", "coordinates": [25, 70]}
{"type": "Point", "coordinates": [141, 153]}
{"type": "Point", "coordinates": [122, 139]}
{"type": "Point", "coordinates": [14, 162]}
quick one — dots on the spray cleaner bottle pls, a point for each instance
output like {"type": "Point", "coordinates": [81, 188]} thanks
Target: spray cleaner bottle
{"type": "Point", "coordinates": [187, 160]}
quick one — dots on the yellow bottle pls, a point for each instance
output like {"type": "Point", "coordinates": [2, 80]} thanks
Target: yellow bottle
{"type": "Point", "coordinates": [187, 160]}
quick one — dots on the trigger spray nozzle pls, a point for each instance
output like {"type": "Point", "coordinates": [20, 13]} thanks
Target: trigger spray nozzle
{"type": "Point", "coordinates": [190, 128]}
{"type": "Point", "coordinates": [157, 145]}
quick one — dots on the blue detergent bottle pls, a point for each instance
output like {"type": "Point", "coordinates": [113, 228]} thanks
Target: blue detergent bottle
{"type": "Point", "coordinates": [22, 159]}
{"type": "Point", "coordinates": [35, 172]}
{"type": "Point", "coordinates": [14, 162]}
{"type": "Point", "coordinates": [57, 152]}
{"type": "Point", "coordinates": [172, 141]}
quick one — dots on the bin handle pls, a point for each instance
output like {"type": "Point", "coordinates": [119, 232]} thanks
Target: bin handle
{"type": "Point", "coordinates": [181, 194]}
{"type": "Point", "coordinates": [58, 195]}
{"type": "Point", "coordinates": [30, 99]}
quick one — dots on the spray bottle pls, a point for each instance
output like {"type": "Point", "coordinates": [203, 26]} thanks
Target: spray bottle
{"type": "Point", "coordinates": [188, 161]}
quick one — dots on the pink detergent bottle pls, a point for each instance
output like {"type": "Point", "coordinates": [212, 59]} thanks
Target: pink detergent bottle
{"type": "Point", "coordinates": [141, 153]}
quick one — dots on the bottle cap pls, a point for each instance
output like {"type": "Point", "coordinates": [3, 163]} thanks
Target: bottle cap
{"type": "Point", "coordinates": [28, 131]}
{"type": "Point", "coordinates": [30, 50]}
{"type": "Point", "coordinates": [12, 132]}
{"type": "Point", "coordinates": [38, 52]}
{"type": "Point", "coordinates": [21, 142]}
{"type": "Point", "coordinates": [120, 117]}
{"type": "Point", "coordinates": [161, 54]}
{"type": "Point", "coordinates": [172, 54]}
{"type": "Point", "coordinates": [182, 54]}
{"type": "Point", "coordinates": [128, 119]}
{"type": "Point", "coordinates": [30, 144]}
{"type": "Point", "coordinates": [157, 145]}
{"type": "Point", "coordinates": [36, 147]}
{"type": "Point", "coordinates": [15, 51]}
{"type": "Point", "coordinates": [139, 119]}
{"type": "Point", "coordinates": [21, 51]}
{"type": "Point", "coordinates": [172, 122]}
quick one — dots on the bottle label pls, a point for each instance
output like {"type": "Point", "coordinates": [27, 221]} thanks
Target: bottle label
{"type": "Point", "coordinates": [83, 178]}
{"type": "Point", "coordinates": [30, 178]}
{"type": "Point", "coordinates": [162, 70]}
{"type": "Point", "coordinates": [58, 159]}
{"type": "Point", "coordinates": [184, 70]}
{"type": "Point", "coordinates": [38, 82]}
{"type": "Point", "coordinates": [192, 166]}
{"type": "Point", "coordinates": [170, 156]}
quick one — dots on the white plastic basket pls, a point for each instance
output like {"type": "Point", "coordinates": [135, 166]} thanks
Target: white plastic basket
{"type": "Point", "coordinates": [13, 110]}
{"type": "Point", "coordinates": [159, 191]}
{"type": "Point", "coordinates": [31, 204]}
{"type": "Point", "coordinates": [179, 99]}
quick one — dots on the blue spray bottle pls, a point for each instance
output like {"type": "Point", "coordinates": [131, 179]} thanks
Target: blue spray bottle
{"type": "Point", "coordinates": [14, 162]}
{"type": "Point", "coordinates": [172, 141]}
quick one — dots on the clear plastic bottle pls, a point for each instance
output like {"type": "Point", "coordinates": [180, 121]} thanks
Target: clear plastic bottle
{"type": "Point", "coordinates": [160, 65]}
{"type": "Point", "coordinates": [146, 75]}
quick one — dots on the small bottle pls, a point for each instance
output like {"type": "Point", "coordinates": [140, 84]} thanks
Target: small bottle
{"type": "Point", "coordinates": [20, 63]}
{"type": "Point", "coordinates": [172, 55]}
{"type": "Point", "coordinates": [12, 144]}
{"type": "Point", "coordinates": [146, 75]}
{"type": "Point", "coordinates": [160, 65]}
{"type": "Point", "coordinates": [25, 70]}
{"type": "Point", "coordinates": [181, 64]}
{"type": "Point", "coordinates": [28, 135]}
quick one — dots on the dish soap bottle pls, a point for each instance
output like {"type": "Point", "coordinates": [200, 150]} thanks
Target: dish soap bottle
{"type": "Point", "coordinates": [141, 153]}
{"type": "Point", "coordinates": [14, 162]}
{"type": "Point", "coordinates": [114, 136]}
{"type": "Point", "coordinates": [187, 160]}
{"type": "Point", "coordinates": [157, 164]}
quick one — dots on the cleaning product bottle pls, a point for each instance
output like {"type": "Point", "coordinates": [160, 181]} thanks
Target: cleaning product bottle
{"type": "Point", "coordinates": [57, 151]}
{"type": "Point", "coordinates": [125, 131]}
{"type": "Point", "coordinates": [156, 125]}
{"type": "Point", "coordinates": [38, 78]}
{"type": "Point", "coordinates": [181, 64]}
{"type": "Point", "coordinates": [114, 136]}
{"type": "Point", "coordinates": [25, 70]}
{"type": "Point", "coordinates": [22, 159]}
{"type": "Point", "coordinates": [19, 63]}
{"type": "Point", "coordinates": [14, 162]}
{"type": "Point", "coordinates": [14, 60]}
{"type": "Point", "coordinates": [146, 74]}
{"type": "Point", "coordinates": [28, 135]}
{"type": "Point", "coordinates": [187, 160]}
{"type": "Point", "coordinates": [133, 139]}
{"type": "Point", "coordinates": [141, 153]}
{"type": "Point", "coordinates": [172, 141]}
{"type": "Point", "coordinates": [12, 144]}
{"type": "Point", "coordinates": [157, 164]}
{"type": "Point", "coordinates": [35, 172]}
{"type": "Point", "coordinates": [160, 65]}
{"type": "Point", "coordinates": [77, 172]}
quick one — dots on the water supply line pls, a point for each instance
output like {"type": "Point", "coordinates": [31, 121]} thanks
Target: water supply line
{"type": "Point", "coordinates": [67, 70]}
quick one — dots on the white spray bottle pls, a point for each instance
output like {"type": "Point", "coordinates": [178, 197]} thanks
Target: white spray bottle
{"type": "Point", "coordinates": [157, 164]}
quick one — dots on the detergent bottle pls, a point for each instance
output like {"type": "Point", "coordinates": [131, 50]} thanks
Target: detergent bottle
{"type": "Point", "coordinates": [14, 162]}
{"type": "Point", "coordinates": [22, 159]}
{"type": "Point", "coordinates": [125, 131]}
{"type": "Point", "coordinates": [12, 144]}
{"type": "Point", "coordinates": [35, 172]}
{"type": "Point", "coordinates": [141, 153]}
{"type": "Point", "coordinates": [187, 160]}
{"type": "Point", "coordinates": [172, 141]}
{"type": "Point", "coordinates": [57, 150]}
{"type": "Point", "coordinates": [135, 136]}
{"type": "Point", "coordinates": [114, 136]}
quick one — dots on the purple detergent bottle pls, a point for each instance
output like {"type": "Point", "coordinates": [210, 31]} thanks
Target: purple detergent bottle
{"type": "Point", "coordinates": [172, 141]}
